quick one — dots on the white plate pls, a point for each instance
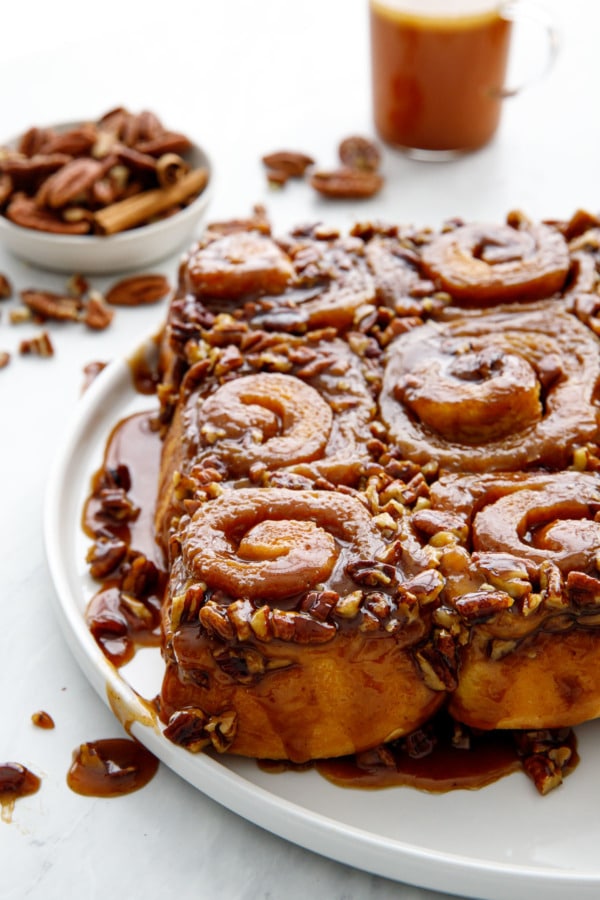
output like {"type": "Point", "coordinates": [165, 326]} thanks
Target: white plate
{"type": "Point", "coordinates": [497, 843]}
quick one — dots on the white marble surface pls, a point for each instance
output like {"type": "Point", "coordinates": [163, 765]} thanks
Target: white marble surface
{"type": "Point", "coordinates": [243, 78]}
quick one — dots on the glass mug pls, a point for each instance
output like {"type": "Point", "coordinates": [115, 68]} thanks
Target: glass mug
{"type": "Point", "coordinates": [439, 68]}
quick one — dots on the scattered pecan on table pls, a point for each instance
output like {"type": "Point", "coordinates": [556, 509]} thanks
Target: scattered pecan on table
{"type": "Point", "coordinates": [357, 177]}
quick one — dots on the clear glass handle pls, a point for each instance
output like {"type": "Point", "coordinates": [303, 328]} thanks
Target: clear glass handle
{"type": "Point", "coordinates": [522, 10]}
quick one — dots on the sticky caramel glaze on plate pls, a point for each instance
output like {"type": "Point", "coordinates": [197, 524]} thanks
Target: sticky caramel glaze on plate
{"type": "Point", "coordinates": [378, 488]}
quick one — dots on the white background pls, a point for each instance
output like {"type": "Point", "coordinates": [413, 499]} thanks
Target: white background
{"type": "Point", "coordinates": [242, 78]}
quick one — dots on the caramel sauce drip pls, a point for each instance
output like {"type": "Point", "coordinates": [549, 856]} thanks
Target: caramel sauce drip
{"type": "Point", "coordinates": [444, 768]}
{"type": "Point", "coordinates": [110, 768]}
{"type": "Point", "coordinates": [125, 611]}
{"type": "Point", "coordinates": [42, 719]}
{"type": "Point", "coordinates": [16, 781]}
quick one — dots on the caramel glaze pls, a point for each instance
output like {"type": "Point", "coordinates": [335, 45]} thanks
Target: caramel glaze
{"type": "Point", "coordinates": [110, 768]}
{"type": "Point", "coordinates": [483, 264]}
{"type": "Point", "coordinates": [499, 391]}
{"type": "Point", "coordinates": [118, 517]}
{"type": "Point", "coordinates": [42, 719]}
{"type": "Point", "coordinates": [443, 756]}
{"type": "Point", "coordinates": [15, 781]}
{"type": "Point", "coordinates": [428, 761]}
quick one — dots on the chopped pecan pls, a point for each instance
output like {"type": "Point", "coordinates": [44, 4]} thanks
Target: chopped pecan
{"type": "Point", "coordinates": [246, 665]}
{"type": "Point", "coordinates": [4, 359]}
{"type": "Point", "coordinates": [6, 187]}
{"type": "Point", "coordinates": [378, 603]}
{"type": "Point", "coordinates": [50, 305]}
{"type": "Point", "coordinates": [347, 184]}
{"type": "Point", "coordinates": [583, 590]}
{"type": "Point", "coordinates": [506, 572]}
{"type": "Point", "coordinates": [186, 728]}
{"type": "Point", "coordinates": [319, 604]}
{"type": "Point", "coordinates": [77, 285]}
{"type": "Point", "coordinates": [434, 521]}
{"type": "Point", "coordinates": [117, 505]}
{"type": "Point", "coordinates": [186, 607]}
{"type": "Point", "coordinates": [300, 628]}
{"type": "Point", "coordinates": [97, 314]}
{"type": "Point", "coordinates": [194, 729]}
{"type": "Point", "coordinates": [138, 290]}
{"type": "Point", "coordinates": [6, 289]}
{"type": "Point", "coordinates": [105, 617]}
{"type": "Point", "coordinates": [140, 576]}
{"type": "Point", "coordinates": [221, 730]}
{"type": "Point", "coordinates": [40, 345]}
{"type": "Point", "coordinates": [372, 573]}
{"type": "Point", "coordinates": [20, 314]}
{"type": "Point", "coordinates": [438, 662]}
{"type": "Point", "coordinates": [106, 555]}
{"type": "Point", "coordinates": [349, 606]}
{"type": "Point", "coordinates": [214, 618]}
{"type": "Point", "coordinates": [477, 606]}
{"type": "Point", "coordinates": [424, 587]}
{"type": "Point", "coordinates": [547, 756]}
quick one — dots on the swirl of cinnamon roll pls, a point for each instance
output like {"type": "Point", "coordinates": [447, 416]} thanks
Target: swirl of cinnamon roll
{"type": "Point", "coordinates": [234, 266]}
{"type": "Point", "coordinates": [332, 282]}
{"type": "Point", "coordinates": [528, 595]}
{"type": "Point", "coordinates": [267, 417]}
{"type": "Point", "coordinates": [536, 517]}
{"type": "Point", "coordinates": [480, 264]}
{"type": "Point", "coordinates": [276, 543]}
{"type": "Point", "coordinates": [493, 391]}
{"type": "Point", "coordinates": [302, 283]}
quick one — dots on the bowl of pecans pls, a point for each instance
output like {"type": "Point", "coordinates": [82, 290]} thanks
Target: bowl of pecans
{"type": "Point", "coordinates": [101, 196]}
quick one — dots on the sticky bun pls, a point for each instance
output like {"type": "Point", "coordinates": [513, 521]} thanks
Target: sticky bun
{"type": "Point", "coordinates": [379, 491]}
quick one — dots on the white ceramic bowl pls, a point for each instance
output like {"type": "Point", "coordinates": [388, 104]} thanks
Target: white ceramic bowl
{"type": "Point", "coordinates": [98, 254]}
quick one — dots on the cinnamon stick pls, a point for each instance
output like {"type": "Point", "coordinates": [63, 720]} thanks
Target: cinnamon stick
{"type": "Point", "coordinates": [140, 208]}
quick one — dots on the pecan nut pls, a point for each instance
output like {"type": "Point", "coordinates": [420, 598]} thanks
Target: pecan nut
{"type": "Point", "coordinates": [71, 181]}
{"type": "Point", "coordinates": [24, 211]}
{"type": "Point", "coordinates": [138, 290]}
{"type": "Point", "coordinates": [357, 152]}
{"type": "Point", "coordinates": [347, 184]}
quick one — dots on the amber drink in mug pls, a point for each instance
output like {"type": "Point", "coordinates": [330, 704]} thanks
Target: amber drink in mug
{"type": "Point", "coordinates": [439, 70]}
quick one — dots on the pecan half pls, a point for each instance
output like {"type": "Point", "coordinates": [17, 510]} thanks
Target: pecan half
{"type": "Point", "coordinates": [97, 314]}
{"type": "Point", "coordinates": [347, 184]}
{"type": "Point", "coordinates": [357, 152]}
{"type": "Point", "coordinates": [72, 180]}
{"type": "Point", "coordinates": [288, 162]}
{"type": "Point", "coordinates": [193, 729]}
{"type": "Point", "coordinates": [477, 606]}
{"type": "Point", "coordinates": [24, 211]}
{"type": "Point", "coordinates": [138, 290]}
